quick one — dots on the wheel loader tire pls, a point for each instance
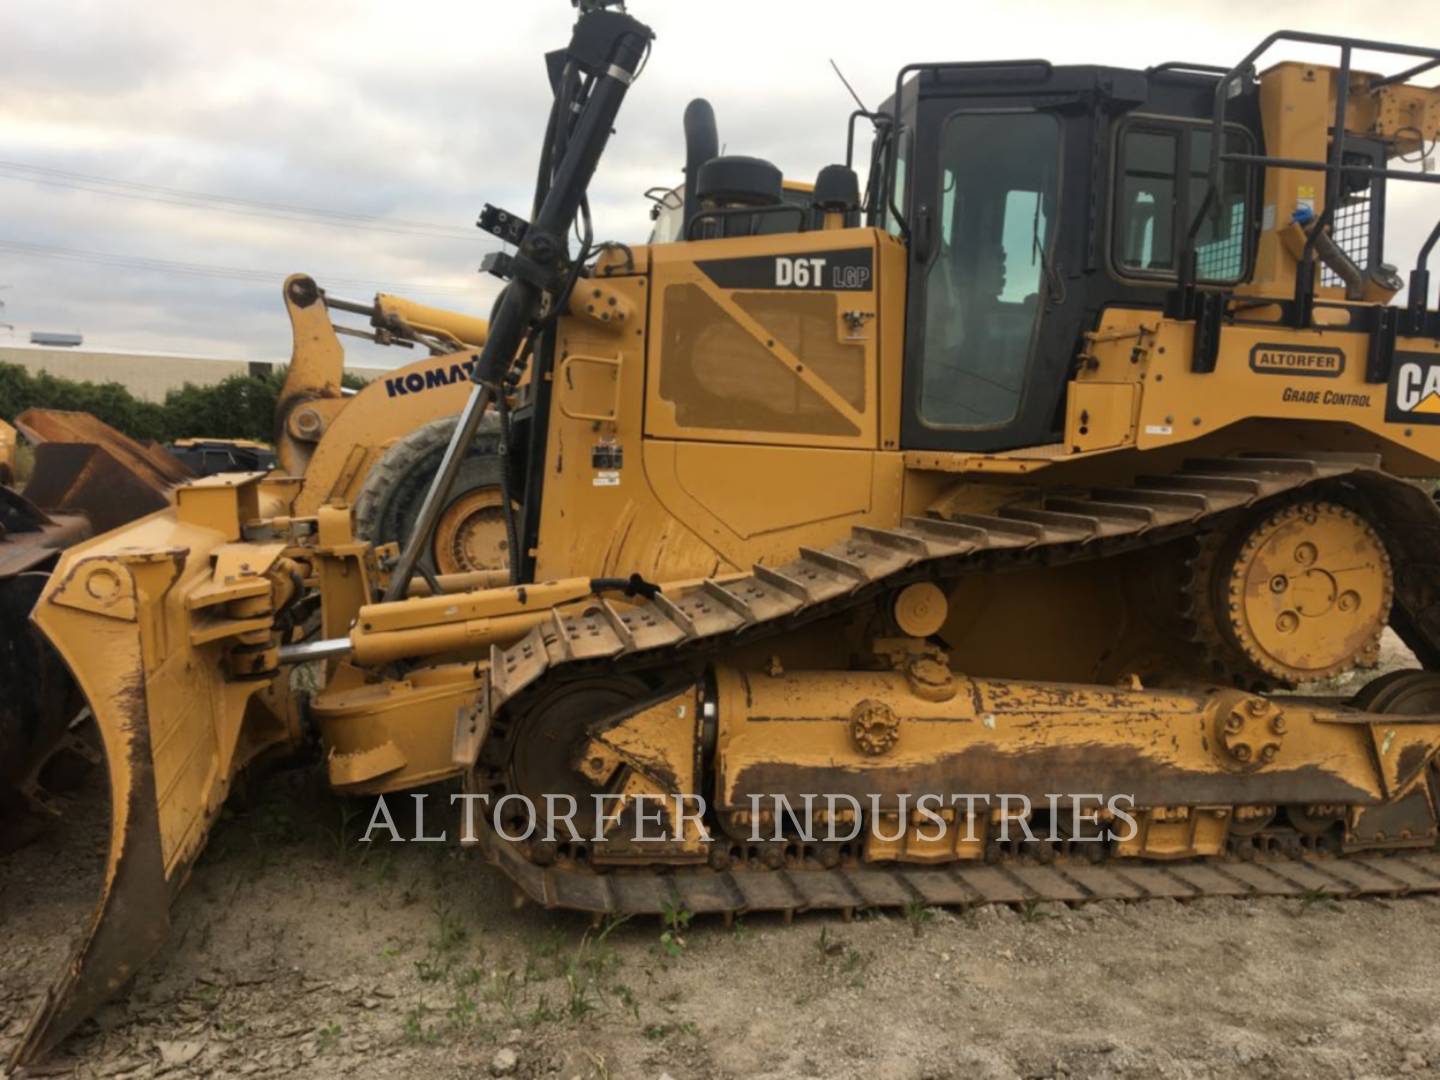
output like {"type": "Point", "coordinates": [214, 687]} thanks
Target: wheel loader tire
{"type": "Point", "coordinates": [470, 534]}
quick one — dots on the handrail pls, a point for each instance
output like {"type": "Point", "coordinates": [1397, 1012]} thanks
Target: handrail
{"type": "Point", "coordinates": [1334, 167]}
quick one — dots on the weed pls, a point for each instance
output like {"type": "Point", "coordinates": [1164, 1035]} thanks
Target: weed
{"type": "Point", "coordinates": [450, 936]}
{"type": "Point", "coordinates": [450, 932]}
{"type": "Point", "coordinates": [463, 1013]}
{"type": "Point", "coordinates": [827, 945]}
{"type": "Point", "coordinates": [660, 1032]}
{"type": "Point", "coordinates": [918, 915]}
{"type": "Point", "coordinates": [416, 1030]}
{"type": "Point", "coordinates": [502, 990]}
{"type": "Point", "coordinates": [345, 836]}
{"type": "Point", "coordinates": [328, 1036]}
{"type": "Point", "coordinates": [629, 1000]}
{"type": "Point", "coordinates": [427, 970]}
{"type": "Point", "coordinates": [275, 820]}
{"type": "Point", "coordinates": [839, 958]}
{"type": "Point", "coordinates": [542, 1013]}
{"type": "Point", "coordinates": [587, 972]}
{"type": "Point", "coordinates": [577, 1003]}
{"type": "Point", "coordinates": [1032, 911]}
{"type": "Point", "coordinates": [542, 960]}
{"type": "Point", "coordinates": [677, 921]}
{"type": "Point", "coordinates": [209, 995]}
{"type": "Point", "coordinates": [473, 975]}
{"type": "Point", "coordinates": [612, 923]}
{"type": "Point", "coordinates": [1317, 899]}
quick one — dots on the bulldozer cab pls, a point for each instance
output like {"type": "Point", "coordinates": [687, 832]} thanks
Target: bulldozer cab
{"type": "Point", "coordinates": [1034, 197]}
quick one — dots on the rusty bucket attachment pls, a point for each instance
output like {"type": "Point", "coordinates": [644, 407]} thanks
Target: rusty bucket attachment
{"type": "Point", "coordinates": [86, 478]}
{"type": "Point", "coordinates": [167, 626]}
{"type": "Point", "coordinates": [39, 700]}
{"type": "Point", "coordinates": [8, 454]}
{"type": "Point", "coordinates": [83, 465]}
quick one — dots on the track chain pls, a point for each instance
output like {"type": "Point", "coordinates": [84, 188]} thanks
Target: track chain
{"type": "Point", "coordinates": [703, 891]}
{"type": "Point", "coordinates": [702, 620]}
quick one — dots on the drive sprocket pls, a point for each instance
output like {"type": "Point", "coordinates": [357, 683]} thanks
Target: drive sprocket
{"type": "Point", "coordinates": [1298, 594]}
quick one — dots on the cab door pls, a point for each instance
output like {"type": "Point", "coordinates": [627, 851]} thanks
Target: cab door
{"type": "Point", "coordinates": [985, 208]}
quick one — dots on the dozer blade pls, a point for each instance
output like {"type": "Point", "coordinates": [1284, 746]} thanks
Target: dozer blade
{"type": "Point", "coordinates": [133, 916]}
{"type": "Point", "coordinates": [149, 619]}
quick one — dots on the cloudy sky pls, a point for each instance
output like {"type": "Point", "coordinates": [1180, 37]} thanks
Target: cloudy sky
{"type": "Point", "coordinates": [357, 140]}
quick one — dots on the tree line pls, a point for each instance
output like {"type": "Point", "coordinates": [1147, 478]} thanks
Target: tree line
{"type": "Point", "coordinates": [240, 406]}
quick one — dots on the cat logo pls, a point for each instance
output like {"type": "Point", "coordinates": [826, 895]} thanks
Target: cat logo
{"type": "Point", "coordinates": [1414, 391]}
{"type": "Point", "coordinates": [1289, 360]}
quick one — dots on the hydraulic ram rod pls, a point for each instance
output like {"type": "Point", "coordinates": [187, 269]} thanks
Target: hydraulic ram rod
{"type": "Point", "coordinates": [609, 47]}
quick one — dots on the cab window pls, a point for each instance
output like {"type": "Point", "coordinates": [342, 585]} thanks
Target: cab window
{"type": "Point", "coordinates": [995, 222]}
{"type": "Point", "coordinates": [1153, 210]}
{"type": "Point", "coordinates": [894, 195]}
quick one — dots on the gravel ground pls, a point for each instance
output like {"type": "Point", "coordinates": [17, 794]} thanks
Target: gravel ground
{"type": "Point", "coordinates": [298, 952]}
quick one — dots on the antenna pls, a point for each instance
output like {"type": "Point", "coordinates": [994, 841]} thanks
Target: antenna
{"type": "Point", "coordinates": [846, 81]}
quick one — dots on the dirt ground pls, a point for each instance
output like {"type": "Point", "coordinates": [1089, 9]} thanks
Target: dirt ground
{"type": "Point", "coordinates": [297, 951]}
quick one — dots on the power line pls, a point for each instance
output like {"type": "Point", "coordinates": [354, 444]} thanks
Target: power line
{"type": "Point", "coordinates": [229, 204]}
{"type": "Point", "coordinates": [229, 273]}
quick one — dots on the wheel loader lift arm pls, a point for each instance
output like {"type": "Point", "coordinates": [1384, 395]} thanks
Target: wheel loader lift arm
{"type": "Point", "coordinates": [313, 396]}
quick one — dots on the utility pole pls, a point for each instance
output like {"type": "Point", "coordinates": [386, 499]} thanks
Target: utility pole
{"type": "Point", "coordinates": [8, 326]}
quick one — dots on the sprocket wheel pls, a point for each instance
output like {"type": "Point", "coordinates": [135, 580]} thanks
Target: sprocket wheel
{"type": "Point", "coordinates": [1302, 593]}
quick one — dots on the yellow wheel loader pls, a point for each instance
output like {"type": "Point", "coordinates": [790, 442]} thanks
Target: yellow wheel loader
{"type": "Point", "coordinates": [377, 448]}
{"type": "Point", "coordinates": [964, 541]}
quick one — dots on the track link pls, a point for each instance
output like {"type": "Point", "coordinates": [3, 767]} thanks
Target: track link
{"type": "Point", "coordinates": [703, 891]}
{"type": "Point", "coordinates": [680, 629]}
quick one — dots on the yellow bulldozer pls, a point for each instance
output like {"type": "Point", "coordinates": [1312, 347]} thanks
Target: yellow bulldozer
{"type": "Point", "coordinates": [964, 540]}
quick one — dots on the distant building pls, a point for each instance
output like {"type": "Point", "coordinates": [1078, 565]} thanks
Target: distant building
{"type": "Point", "coordinates": [146, 375]}
{"type": "Point", "coordinates": [59, 341]}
